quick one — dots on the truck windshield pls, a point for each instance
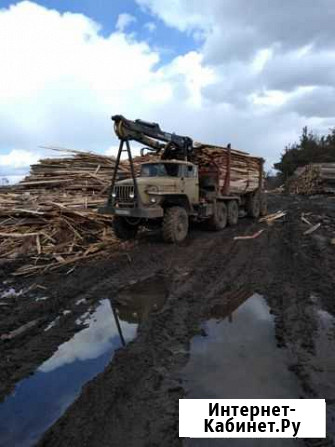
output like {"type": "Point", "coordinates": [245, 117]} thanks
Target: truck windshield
{"type": "Point", "coordinates": [161, 170]}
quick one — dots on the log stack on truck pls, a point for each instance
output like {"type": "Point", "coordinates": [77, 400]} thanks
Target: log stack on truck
{"type": "Point", "coordinates": [186, 180]}
{"type": "Point", "coordinates": [244, 170]}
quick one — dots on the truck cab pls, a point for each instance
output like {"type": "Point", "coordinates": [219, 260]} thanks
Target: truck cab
{"type": "Point", "coordinates": [165, 192]}
{"type": "Point", "coordinates": [159, 184]}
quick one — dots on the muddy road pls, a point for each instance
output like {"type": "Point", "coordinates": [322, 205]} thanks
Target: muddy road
{"type": "Point", "coordinates": [110, 381]}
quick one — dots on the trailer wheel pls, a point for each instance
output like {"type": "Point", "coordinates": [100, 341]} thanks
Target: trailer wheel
{"type": "Point", "coordinates": [254, 206]}
{"type": "Point", "coordinates": [175, 224]}
{"type": "Point", "coordinates": [264, 205]}
{"type": "Point", "coordinates": [232, 212]}
{"type": "Point", "coordinates": [219, 219]}
{"type": "Point", "coordinates": [123, 229]}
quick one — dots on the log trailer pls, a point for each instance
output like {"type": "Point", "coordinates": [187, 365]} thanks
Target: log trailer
{"type": "Point", "coordinates": [184, 181]}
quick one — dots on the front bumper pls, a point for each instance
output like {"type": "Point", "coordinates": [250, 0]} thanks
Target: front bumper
{"type": "Point", "coordinates": [143, 213]}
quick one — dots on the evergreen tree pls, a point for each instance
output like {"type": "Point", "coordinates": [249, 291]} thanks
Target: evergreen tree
{"type": "Point", "coordinates": [310, 149]}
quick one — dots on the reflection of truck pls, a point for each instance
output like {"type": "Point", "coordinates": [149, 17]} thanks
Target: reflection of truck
{"type": "Point", "coordinates": [184, 181]}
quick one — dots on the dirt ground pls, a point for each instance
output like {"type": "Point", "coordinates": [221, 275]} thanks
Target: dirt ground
{"type": "Point", "coordinates": [134, 401]}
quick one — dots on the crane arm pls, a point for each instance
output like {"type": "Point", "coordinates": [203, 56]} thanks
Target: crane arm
{"type": "Point", "coordinates": [150, 134]}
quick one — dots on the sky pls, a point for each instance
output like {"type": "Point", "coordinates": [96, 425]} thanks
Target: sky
{"type": "Point", "coordinates": [247, 72]}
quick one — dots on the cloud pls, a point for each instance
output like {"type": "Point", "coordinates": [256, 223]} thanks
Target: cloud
{"type": "Point", "coordinates": [150, 26]}
{"type": "Point", "coordinates": [257, 75]}
{"type": "Point", "coordinates": [18, 159]}
{"type": "Point", "coordinates": [123, 21]}
{"type": "Point", "coordinates": [234, 29]}
{"type": "Point", "coordinates": [61, 80]}
{"type": "Point", "coordinates": [15, 164]}
{"type": "Point", "coordinates": [314, 102]}
{"type": "Point", "coordinates": [75, 79]}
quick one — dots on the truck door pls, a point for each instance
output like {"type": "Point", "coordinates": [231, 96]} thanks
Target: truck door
{"type": "Point", "coordinates": [190, 183]}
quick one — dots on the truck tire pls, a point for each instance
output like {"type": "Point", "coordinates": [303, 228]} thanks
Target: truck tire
{"type": "Point", "coordinates": [123, 229]}
{"type": "Point", "coordinates": [264, 205]}
{"type": "Point", "coordinates": [254, 205]}
{"type": "Point", "coordinates": [220, 217]}
{"type": "Point", "coordinates": [232, 212]}
{"type": "Point", "coordinates": [175, 224]}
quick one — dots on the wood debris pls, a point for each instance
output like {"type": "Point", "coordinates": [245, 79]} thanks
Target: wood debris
{"type": "Point", "coordinates": [50, 220]}
{"type": "Point", "coordinates": [306, 221]}
{"type": "Point", "coordinates": [312, 229]}
{"type": "Point", "coordinates": [272, 217]}
{"type": "Point", "coordinates": [21, 330]}
{"type": "Point", "coordinates": [253, 236]}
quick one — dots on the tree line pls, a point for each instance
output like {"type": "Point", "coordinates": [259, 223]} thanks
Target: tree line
{"type": "Point", "coordinates": [311, 148]}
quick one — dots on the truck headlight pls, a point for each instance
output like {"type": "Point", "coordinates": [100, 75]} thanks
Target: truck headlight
{"type": "Point", "coordinates": [113, 194]}
{"type": "Point", "coordinates": [131, 195]}
{"type": "Point", "coordinates": [153, 200]}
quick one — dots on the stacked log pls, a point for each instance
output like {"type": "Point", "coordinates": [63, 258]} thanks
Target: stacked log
{"type": "Point", "coordinates": [80, 180]}
{"type": "Point", "coordinates": [49, 219]}
{"type": "Point", "coordinates": [244, 169]}
{"type": "Point", "coordinates": [315, 178]}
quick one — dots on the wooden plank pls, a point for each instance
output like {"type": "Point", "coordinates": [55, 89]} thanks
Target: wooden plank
{"type": "Point", "coordinates": [312, 229]}
{"type": "Point", "coordinates": [253, 236]}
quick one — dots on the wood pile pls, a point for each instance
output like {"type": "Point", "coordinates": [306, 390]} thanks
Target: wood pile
{"type": "Point", "coordinates": [244, 169]}
{"type": "Point", "coordinates": [80, 180]}
{"type": "Point", "coordinates": [316, 178]}
{"type": "Point", "coordinates": [50, 220]}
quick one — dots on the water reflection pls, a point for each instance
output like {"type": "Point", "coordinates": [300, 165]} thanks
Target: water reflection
{"type": "Point", "coordinates": [135, 302]}
{"type": "Point", "coordinates": [40, 400]}
{"type": "Point", "coordinates": [239, 358]}
{"type": "Point", "coordinates": [100, 336]}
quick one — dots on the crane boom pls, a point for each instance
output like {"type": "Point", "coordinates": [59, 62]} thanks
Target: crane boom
{"type": "Point", "coordinates": [150, 134]}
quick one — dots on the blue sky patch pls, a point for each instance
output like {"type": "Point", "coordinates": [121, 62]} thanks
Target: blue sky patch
{"type": "Point", "coordinates": [168, 41]}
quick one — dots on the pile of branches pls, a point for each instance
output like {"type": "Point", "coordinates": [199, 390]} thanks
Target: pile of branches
{"type": "Point", "coordinates": [318, 178]}
{"type": "Point", "coordinates": [244, 169]}
{"type": "Point", "coordinates": [49, 219]}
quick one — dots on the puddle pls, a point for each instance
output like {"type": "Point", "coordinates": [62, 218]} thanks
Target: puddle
{"type": "Point", "coordinates": [239, 359]}
{"type": "Point", "coordinates": [41, 399]}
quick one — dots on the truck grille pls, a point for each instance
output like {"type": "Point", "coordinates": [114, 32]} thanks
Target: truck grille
{"type": "Point", "coordinates": [122, 195]}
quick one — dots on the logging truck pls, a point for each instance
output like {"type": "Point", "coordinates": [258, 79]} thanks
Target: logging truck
{"type": "Point", "coordinates": [182, 181]}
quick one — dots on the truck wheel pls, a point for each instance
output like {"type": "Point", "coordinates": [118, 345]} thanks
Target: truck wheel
{"type": "Point", "coordinates": [123, 229]}
{"type": "Point", "coordinates": [232, 212]}
{"type": "Point", "coordinates": [254, 206]}
{"type": "Point", "coordinates": [175, 224]}
{"type": "Point", "coordinates": [264, 205]}
{"type": "Point", "coordinates": [219, 219]}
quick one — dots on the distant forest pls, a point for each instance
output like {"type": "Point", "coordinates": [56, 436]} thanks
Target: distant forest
{"type": "Point", "coordinates": [310, 149]}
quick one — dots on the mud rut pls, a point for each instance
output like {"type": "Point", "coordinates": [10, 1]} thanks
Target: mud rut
{"type": "Point", "coordinates": [134, 402]}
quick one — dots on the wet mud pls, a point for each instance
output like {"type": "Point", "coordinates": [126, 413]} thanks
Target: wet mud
{"type": "Point", "coordinates": [186, 303]}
